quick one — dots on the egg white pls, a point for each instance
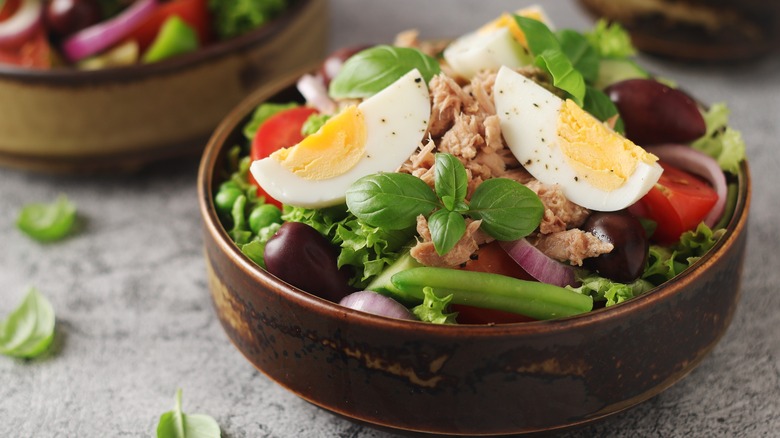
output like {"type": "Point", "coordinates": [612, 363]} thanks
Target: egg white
{"type": "Point", "coordinates": [483, 50]}
{"type": "Point", "coordinates": [396, 119]}
{"type": "Point", "coordinates": [529, 116]}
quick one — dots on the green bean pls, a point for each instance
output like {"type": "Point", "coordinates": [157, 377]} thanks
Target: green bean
{"type": "Point", "coordinates": [494, 291]}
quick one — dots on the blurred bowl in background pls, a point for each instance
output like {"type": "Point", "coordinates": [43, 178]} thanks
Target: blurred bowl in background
{"type": "Point", "coordinates": [696, 30]}
{"type": "Point", "coordinates": [67, 120]}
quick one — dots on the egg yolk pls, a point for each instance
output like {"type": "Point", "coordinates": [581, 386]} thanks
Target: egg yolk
{"type": "Point", "coordinates": [597, 154]}
{"type": "Point", "coordinates": [508, 20]}
{"type": "Point", "coordinates": [337, 147]}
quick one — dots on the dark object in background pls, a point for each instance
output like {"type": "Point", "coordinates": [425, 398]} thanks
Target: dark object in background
{"type": "Point", "coordinates": [696, 30]}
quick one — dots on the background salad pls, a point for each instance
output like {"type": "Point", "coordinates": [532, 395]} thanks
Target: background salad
{"type": "Point", "coordinates": [90, 34]}
{"type": "Point", "coordinates": [363, 235]}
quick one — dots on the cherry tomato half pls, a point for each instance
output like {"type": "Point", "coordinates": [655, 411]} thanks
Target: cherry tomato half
{"type": "Point", "coordinates": [491, 258]}
{"type": "Point", "coordinates": [678, 202]}
{"type": "Point", "coordinates": [281, 130]}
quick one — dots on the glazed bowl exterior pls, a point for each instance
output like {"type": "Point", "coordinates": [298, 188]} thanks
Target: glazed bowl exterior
{"type": "Point", "coordinates": [464, 380]}
{"type": "Point", "coordinates": [122, 118]}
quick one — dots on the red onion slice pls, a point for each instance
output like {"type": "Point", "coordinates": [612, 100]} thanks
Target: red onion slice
{"type": "Point", "coordinates": [313, 89]}
{"type": "Point", "coordinates": [376, 303]}
{"type": "Point", "coordinates": [538, 264]}
{"type": "Point", "coordinates": [96, 38]}
{"type": "Point", "coordinates": [700, 164]}
{"type": "Point", "coordinates": [20, 27]}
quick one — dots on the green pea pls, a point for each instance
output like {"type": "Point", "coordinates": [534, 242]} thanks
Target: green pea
{"type": "Point", "coordinates": [226, 197]}
{"type": "Point", "coordinates": [264, 215]}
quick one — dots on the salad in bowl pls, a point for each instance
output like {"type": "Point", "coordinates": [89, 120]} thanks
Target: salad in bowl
{"type": "Point", "coordinates": [96, 34]}
{"type": "Point", "coordinates": [513, 174]}
{"type": "Point", "coordinates": [515, 231]}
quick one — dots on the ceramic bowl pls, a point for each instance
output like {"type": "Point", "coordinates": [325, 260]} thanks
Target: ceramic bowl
{"type": "Point", "coordinates": [467, 379]}
{"type": "Point", "coordinates": [122, 118]}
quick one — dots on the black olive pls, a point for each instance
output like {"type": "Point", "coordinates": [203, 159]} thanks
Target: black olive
{"type": "Point", "coordinates": [626, 262]}
{"type": "Point", "coordinates": [302, 257]}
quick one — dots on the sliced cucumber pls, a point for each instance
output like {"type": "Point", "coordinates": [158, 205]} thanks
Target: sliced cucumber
{"type": "Point", "coordinates": [616, 70]}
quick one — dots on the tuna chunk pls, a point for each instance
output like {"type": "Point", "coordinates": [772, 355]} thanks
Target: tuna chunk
{"type": "Point", "coordinates": [571, 246]}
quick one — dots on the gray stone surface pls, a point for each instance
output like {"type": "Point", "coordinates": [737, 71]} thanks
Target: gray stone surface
{"type": "Point", "coordinates": [134, 321]}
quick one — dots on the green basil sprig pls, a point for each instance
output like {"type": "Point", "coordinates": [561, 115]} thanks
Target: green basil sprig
{"type": "Point", "coordinates": [47, 222]}
{"type": "Point", "coordinates": [573, 61]}
{"type": "Point", "coordinates": [372, 70]}
{"type": "Point", "coordinates": [177, 424]}
{"type": "Point", "coordinates": [508, 209]}
{"type": "Point", "coordinates": [29, 330]}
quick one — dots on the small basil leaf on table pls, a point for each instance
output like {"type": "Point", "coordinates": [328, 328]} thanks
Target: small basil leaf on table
{"type": "Point", "coordinates": [390, 200]}
{"type": "Point", "coordinates": [508, 209]}
{"type": "Point", "coordinates": [372, 70]}
{"type": "Point", "coordinates": [450, 180]}
{"type": "Point", "coordinates": [447, 227]}
{"type": "Point", "coordinates": [177, 424]}
{"type": "Point", "coordinates": [47, 222]}
{"type": "Point", "coordinates": [29, 330]}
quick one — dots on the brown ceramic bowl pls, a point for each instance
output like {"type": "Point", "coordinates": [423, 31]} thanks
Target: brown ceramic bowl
{"type": "Point", "coordinates": [468, 379]}
{"type": "Point", "coordinates": [121, 118]}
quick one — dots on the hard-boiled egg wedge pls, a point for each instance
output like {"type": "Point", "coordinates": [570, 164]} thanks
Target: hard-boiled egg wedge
{"type": "Point", "coordinates": [377, 135]}
{"type": "Point", "coordinates": [559, 143]}
{"type": "Point", "coordinates": [500, 42]}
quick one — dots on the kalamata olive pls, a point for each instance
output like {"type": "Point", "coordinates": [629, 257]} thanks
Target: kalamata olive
{"type": "Point", "coordinates": [655, 113]}
{"type": "Point", "coordinates": [627, 259]}
{"type": "Point", "coordinates": [332, 64]}
{"type": "Point", "coordinates": [65, 17]}
{"type": "Point", "coordinates": [301, 256]}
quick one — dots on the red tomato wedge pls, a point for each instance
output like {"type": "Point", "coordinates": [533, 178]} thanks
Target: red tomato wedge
{"type": "Point", "coordinates": [491, 258]}
{"type": "Point", "coordinates": [8, 8]}
{"type": "Point", "coordinates": [678, 202]}
{"type": "Point", "coordinates": [193, 12]}
{"type": "Point", "coordinates": [281, 130]}
{"type": "Point", "coordinates": [34, 53]}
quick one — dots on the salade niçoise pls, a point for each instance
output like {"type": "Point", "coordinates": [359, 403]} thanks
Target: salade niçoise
{"type": "Point", "coordinates": [509, 169]}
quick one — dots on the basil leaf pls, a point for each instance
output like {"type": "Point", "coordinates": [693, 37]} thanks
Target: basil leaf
{"type": "Point", "coordinates": [372, 70]}
{"type": "Point", "coordinates": [390, 200]}
{"type": "Point", "coordinates": [447, 227]}
{"type": "Point", "coordinates": [582, 55]}
{"type": "Point", "coordinates": [47, 222]}
{"type": "Point", "coordinates": [539, 37]}
{"type": "Point", "coordinates": [29, 330]}
{"type": "Point", "coordinates": [563, 73]}
{"type": "Point", "coordinates": [508, 209]}
{"type": "Point", "coordinates": [601, 107]}
{"type": "Point", "coordinates": [450, 180]}
{"type": "Point", "coordinates": [177, 424]}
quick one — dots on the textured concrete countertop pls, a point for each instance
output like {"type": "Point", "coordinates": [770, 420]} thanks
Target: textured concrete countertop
{"type": "Point", "coordinates": [134, 318]}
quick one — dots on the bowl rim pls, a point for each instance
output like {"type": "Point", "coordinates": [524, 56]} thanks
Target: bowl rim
{"type": "Point", "coordinates": [206, 181]}
{"type": "Point", "coordinates": [210, 53]}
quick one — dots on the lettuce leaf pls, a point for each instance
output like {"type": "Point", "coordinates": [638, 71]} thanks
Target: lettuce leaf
{"type": "Point", "coordinates": [604, 289]}
{"type": "Point", "coordinates": [610, 40]}
{"type": "Point", "coordinates": [721, 141]}
{"type": "Point", "coordinates": [433, 308]}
